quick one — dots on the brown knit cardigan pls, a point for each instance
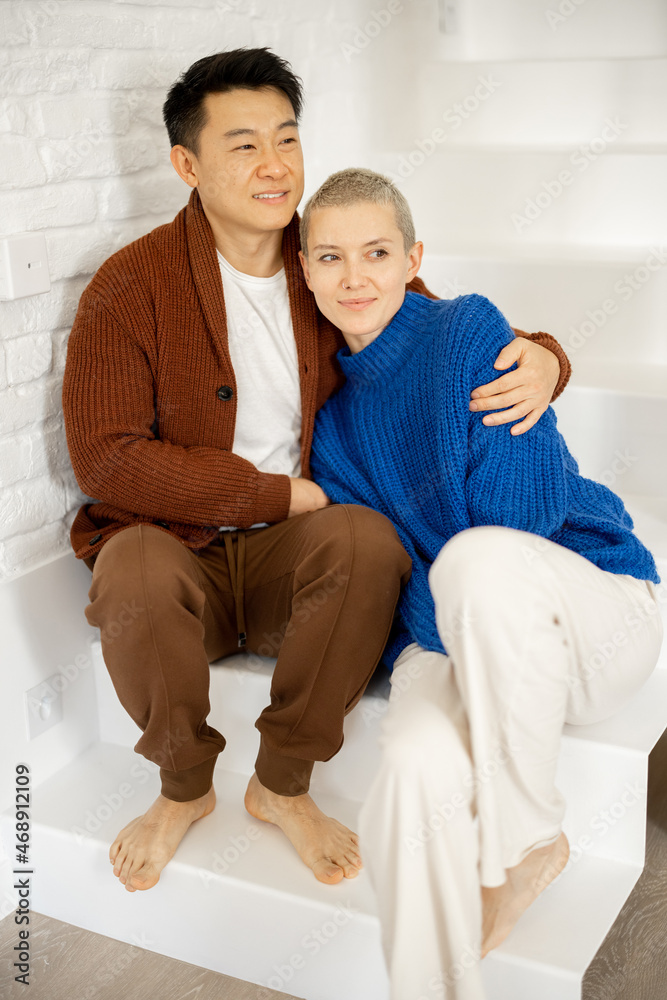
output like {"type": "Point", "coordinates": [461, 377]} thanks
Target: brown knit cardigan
{"type": "Point", "coordinates": [149, 392]}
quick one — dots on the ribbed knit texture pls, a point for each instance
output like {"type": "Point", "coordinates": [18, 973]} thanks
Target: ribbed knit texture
{"type": "Point", "coordinates": [149, 438]}
{"type": "Point", "coordinates": [399, 437]}
{"type": "Point", "coordinates": [147, 433]}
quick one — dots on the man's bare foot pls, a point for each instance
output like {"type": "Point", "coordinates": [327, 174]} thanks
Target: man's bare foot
{"type": "Point", "coordinates": [144, 846]}
{"type": "Point", "coordinates": [503, 905]}
{"type": "Point", "coordinates": [324, 844]}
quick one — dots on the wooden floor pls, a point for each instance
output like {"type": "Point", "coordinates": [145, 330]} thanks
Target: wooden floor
{"type": "Point", "coordinates": [72, 964]}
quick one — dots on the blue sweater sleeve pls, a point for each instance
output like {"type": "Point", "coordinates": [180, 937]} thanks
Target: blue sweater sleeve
{"type": "Point", "coordinates": [330, 462]}
{"type": "Point", "coordinates": [514, 481]}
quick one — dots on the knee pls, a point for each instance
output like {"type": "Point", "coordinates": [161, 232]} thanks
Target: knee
{"type": "Point", "coordinates": [374, 542]}
{"type": "Point", "coordinates": [357, 540]}
{"type": "Point", "coordinates": [475, 558]}
{"type": "Point", "coordinates": [140, 566]}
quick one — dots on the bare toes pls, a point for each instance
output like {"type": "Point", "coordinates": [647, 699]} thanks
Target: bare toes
{"type": "Point", "coordinates": [325, 870]}
{"type": "Point", "coordinates": [144, 878]}
{"type": "Point", "coordinates": [120, 861]}
{"type": "Point", "coordinates": [126, 871]}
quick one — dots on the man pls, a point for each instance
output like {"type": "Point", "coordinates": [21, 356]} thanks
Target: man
{"type": "Point", "coordinates": [195, 367]}
{"type": "Point", "coordinates": [521, 569]}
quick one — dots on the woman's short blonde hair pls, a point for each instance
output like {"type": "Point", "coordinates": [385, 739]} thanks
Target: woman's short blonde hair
{"type": "Point", "coordinates": [354, 185]}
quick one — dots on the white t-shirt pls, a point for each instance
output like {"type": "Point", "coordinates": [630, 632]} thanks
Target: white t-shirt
{"type": "Point", "coordinates": [264, 358]}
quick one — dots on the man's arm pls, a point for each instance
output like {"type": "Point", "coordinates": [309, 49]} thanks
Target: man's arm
{"type": "Point", "coordinates": [542, 374]}
{"type": "Point", "coordinates": [543, 370]}
{"type": "Point", "coordinates": [109, 407]}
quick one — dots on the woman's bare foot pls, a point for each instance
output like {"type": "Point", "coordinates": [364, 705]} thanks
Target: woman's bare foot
{"type": "Point", "coordinates": [502, 906]}
{"type": "Point", "coordinates": [324, 844]}
{"type": "Point", "coordinates": [144, 846]}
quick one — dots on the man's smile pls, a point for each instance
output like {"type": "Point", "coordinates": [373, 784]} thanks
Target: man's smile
{"type": "Point", "coordinates": [278, 196]}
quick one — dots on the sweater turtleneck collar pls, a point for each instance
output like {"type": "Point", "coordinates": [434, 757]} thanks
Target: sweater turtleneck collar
{"type": "Point", "coordinates": [393, 348]}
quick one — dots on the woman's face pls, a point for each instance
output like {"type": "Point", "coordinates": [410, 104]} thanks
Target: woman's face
{"type": "Point", "coordinates": [357, 268]}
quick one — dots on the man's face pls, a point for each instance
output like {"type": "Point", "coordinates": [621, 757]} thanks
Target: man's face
{"type": "Point", "coordinates": [249, 167]}
{"type": "Point", "coordinates": [357, 268]}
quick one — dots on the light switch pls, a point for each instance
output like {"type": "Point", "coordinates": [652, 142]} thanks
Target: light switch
{"type": "Point", "coordinates": [44, 705]}
{"type": "Point", "coordinates": [24, 268]}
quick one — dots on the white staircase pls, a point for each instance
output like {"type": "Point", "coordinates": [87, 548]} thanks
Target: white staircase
{"type": "Point", "coordinates": [236, 899]}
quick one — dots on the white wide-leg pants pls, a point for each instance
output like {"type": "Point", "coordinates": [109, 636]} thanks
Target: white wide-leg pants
{"type": "Point", "coordinates": [537, 636]}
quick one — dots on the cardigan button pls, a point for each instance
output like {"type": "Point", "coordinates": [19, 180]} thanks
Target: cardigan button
{"type": "Point", "coordinates": [162, 524]}
{"type": "Point", "coordinates": [95, 539]}
{"type": "Point", "coordinates": [225, 392]}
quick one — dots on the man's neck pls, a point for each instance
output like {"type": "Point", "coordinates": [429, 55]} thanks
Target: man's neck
{"type": "Point", "coordinates": [257, 254]}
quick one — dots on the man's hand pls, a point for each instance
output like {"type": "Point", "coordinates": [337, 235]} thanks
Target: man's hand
{"type": "Point", "coordinates": [527, 390]}
{"type": "Point", "coordinates": [306, 496]}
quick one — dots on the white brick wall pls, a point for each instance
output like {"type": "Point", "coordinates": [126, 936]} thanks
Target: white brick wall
{"type": "Point", "coordinates": [85, 160]}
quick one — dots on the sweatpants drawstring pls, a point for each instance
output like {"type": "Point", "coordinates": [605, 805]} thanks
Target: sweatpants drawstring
{"type": "Point", "coordinates": [237, 578]}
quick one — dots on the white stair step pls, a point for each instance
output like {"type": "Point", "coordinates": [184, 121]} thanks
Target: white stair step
{"type": "Point", "coordinates": [604, 324]}
{"type": "Point", "coordinates": [618, 438]}
{"type": "Point", "coordinates": [264, 918]}
{"type": "Point", "coordinates": [649, 514]}
{"type": "Point", "coordinates": [511, 30]}
{"type": "Point", "coordinates": [484, 199]}
{"type": "Point", "coordinates": [597, 765]}
{"type": "Point", "coordinates": [538, 103]}
{"type": "Point", "coordinates": [239, 691]}
{"type": "Point", "coordinates": [550, 948]}
{"type": "Point", "coordinates": [247, 920]}
{"type": "Point", "coordinates": [623, 377]}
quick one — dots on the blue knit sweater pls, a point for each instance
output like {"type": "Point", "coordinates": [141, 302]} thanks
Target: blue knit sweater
{"type": "Point", "coordinates": [399, 438]}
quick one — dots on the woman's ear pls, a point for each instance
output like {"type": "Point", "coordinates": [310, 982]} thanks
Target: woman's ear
{"type": "Point", "coordinates": [414, 261]}
{"type": "Point", "coordinates": [304, 265]}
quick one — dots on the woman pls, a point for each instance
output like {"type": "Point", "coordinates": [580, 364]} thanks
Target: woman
{"type": "Point", "coordinates": [522, 569]}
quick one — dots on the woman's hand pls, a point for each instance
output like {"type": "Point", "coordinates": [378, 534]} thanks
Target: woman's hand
{"type": "Point", "coordinates": [527, 390]}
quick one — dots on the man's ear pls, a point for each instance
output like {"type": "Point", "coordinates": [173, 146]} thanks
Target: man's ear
{"type": "Point", "coordinates": [304, 265]}
{"type": "Point", "coordinates": [183, 163]}
{"type": "Point", "coordinates": [414, 261]}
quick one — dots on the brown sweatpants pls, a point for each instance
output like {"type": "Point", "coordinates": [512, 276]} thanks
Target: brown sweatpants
{"type": "Point", "coordinates": [317, 590]}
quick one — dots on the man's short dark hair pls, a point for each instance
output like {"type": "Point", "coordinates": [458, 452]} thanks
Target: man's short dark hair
{"type": "Point", "coordinates": [241, 69]}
